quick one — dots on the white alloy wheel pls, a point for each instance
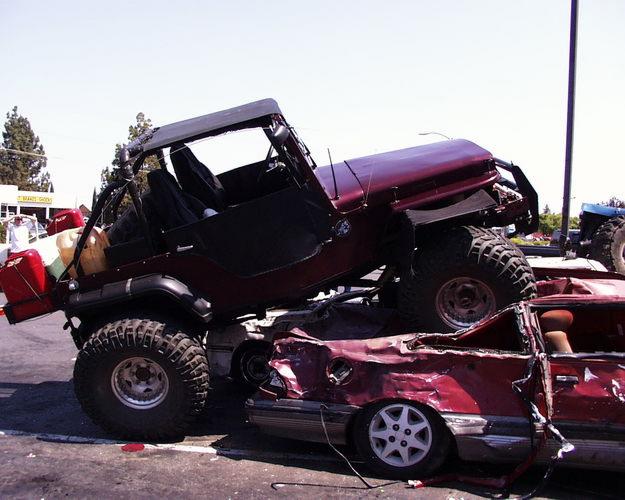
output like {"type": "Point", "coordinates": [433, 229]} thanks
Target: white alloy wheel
{"type": "Point", "coordinates": [400, 435]}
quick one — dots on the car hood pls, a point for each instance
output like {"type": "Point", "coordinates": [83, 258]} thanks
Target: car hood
{"type": "Point", "coordinates": [401, 173]}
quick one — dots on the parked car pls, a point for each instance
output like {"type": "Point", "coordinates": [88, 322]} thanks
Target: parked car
{"type": "Point", "coordinates": [539, 375]}
{"type": "Point", "coordinates": [198, 250]}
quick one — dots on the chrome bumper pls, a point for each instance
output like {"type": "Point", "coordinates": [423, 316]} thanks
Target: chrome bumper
{"type": "Point", "coordinates": [484, 438]}
{"type": "Point", "coordinates": [296, 419]}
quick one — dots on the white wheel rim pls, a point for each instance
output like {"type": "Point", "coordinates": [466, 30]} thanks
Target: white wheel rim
{"type": "Point", "coordinates": [140, 383]}
{"type": "Point", "coordinates": [463, 301]}
{"type": "Point", "coordinates": [400, 435]}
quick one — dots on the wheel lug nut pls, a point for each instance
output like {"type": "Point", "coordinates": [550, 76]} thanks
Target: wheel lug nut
{"type": "Point", "coordinates": [391, 439]}
{"type": "Point", "coordinates": [396, 427]}
{"type": "Point", "coordinates": [407, 432]}
{"type": "Point", "coordinates": [404, 443]}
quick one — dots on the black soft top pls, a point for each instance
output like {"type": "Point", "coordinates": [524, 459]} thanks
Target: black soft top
{"type": "Point", "coordinates": [249, 115]}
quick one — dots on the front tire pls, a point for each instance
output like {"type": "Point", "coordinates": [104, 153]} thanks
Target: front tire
{"type": "Point", "coordinates": [461, 276]}
{"type": "Point", "coordinates": [141, 379]}
{"type": "Point", "coordinates": [401, 439]}
{"type": "Point", "coordinates": [608, 244]}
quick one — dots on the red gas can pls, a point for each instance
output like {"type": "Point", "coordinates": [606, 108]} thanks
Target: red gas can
{"type": "Point", "coordinates": [26, 285]}
{"type": "Point", "coordinates": [65, 219]}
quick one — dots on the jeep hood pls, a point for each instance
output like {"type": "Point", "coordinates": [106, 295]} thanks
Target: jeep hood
{"type": "Point", "coordinates": [396, 175]}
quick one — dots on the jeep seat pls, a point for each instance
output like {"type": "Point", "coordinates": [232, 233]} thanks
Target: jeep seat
{"type": "Point", "coordinates": [174, 207]}
{"type": "Point", "coordinates": [196, 179]}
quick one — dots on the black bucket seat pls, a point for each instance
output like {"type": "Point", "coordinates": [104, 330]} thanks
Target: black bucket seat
{"type": "Point", "coordinates": [196, 179]}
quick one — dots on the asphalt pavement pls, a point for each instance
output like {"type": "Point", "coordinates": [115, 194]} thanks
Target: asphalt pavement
{"type": "Point", "coordinates": [50, 449]}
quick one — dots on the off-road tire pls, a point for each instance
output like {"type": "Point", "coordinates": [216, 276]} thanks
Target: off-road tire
{"type": "Point", "coordinates": [160, 343]}
{"type": "Point", "coordinates": [464, 253]}
{"type": "Point", "coordinates": [440, 444]}
{"type": "Point", "coordinates": [608, 244]}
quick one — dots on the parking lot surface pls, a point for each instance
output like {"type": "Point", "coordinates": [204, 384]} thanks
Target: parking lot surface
{"type": "Point", "coordinates": [50, 449]}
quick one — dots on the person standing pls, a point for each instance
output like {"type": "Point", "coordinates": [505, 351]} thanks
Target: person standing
{"type": "Point", "coordinates": [19, 232]}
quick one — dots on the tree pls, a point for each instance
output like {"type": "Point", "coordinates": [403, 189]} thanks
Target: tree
{"type": "Point", "coordinates": [151, 162]}
{"type": "Point", "coordinates": [27, 170]}
{"type": "Point", "coordinates": [614, 202]}
{"type": "Point", "coordinates": [548, 223]}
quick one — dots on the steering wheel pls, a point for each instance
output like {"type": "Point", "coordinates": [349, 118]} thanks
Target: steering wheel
{"type": "Point", "coordinates": [274, 163]}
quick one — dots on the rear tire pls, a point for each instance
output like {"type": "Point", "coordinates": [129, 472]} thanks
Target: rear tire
{"type": "Point", "coordinates": [608, 244]}
{"type": "Point", "coordinates": [461, 276]}
{"type": "Point", "coordinates": [401, 439]}
{"type": "Point", "coordinates": [141, 379]}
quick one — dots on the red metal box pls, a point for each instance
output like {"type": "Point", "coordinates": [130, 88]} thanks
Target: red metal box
{"type": "Point", "coordinates": [65, 219]}
{"type": "Point", "coordinates": [26, 285]}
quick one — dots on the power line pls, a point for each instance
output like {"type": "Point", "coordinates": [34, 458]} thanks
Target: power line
{"type": "Point", "coordinates": [22, 153]}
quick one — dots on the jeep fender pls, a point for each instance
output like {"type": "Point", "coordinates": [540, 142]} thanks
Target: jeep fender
{"type": "Point", "coordinates": [151, 285]}
{"type": "Point", "coordinates": [413, 219]}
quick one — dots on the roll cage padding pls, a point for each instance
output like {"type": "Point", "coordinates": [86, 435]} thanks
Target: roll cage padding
{"type": "Point", "coordinates": [196, 179]}
{"type": "Point", "coordinates": [151, 285]}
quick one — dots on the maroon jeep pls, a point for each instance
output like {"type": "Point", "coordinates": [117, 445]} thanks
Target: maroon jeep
{"type": "Point", "coordinates": [196, 249]}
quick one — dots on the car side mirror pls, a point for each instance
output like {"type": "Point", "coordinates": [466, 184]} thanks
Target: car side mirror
{"type": "Point", "coordinates": [280, 134]}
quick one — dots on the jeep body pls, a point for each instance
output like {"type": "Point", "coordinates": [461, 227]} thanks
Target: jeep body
{"type": "Point", "coordinates": [287, 228]}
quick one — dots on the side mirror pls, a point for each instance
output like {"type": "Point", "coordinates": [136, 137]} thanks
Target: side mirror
{"type": "Point", "coordinates": [280, 134]}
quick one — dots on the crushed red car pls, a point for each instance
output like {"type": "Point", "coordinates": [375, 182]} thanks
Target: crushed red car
{"type": "Point", "coordinates": [544, 377]}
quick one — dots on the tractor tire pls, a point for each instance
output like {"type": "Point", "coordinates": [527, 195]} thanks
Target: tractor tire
{"type": "Point", "coordinates": [608, 244]}
{"type": "Point", "coordinates": [461, 276]}
{"type": "Point", "coordinates": [141, 379]}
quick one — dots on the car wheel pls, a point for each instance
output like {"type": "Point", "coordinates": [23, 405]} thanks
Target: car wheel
{"type": "Point", "coordinates": [401, 440]}
{"type": "Point", "coordinates": [608, 244]}
{"type": "Point", "coordinates": [141, 379]}
{"type": "Point", "coordinates": [250, 364]}
{"type": "Point", "coordinates": [461, 276]}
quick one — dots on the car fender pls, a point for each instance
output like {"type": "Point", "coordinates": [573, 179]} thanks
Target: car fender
{"type": "Point", "coordinates": [151, 285]}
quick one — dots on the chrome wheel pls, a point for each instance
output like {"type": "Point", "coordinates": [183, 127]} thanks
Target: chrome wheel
{"type": "Point", "coordinates": [140, 383]}
{"type": "Point", "coordinates": [400, 435]}
{"type": "Point", "coordinates": [462, 301]}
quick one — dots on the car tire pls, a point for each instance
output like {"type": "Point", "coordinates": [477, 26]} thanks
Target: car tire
{"type": "Point", "coordinates": [141, 379]}
{"type": "Point", "coordinates": [608, 244]}
{"type": "Point", "coordinates": [250, 363]}
{"type": "Point", "coordinates": [401, 439]}
{"type": "Point", "coordinates": [461, 276]}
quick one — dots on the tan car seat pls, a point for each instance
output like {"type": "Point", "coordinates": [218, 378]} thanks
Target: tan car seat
{"type": "Point", "coordinates": [554, 325]}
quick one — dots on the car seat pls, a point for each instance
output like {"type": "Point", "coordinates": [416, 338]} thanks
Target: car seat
{"type": "Point", "coordinates": [554, 325]}
{"type": "Point", "coordinates": [165, 207]}
{"type": "Point", "coordinates": [196, 179]}
{"type": "Point", "coordinates": [175, 208]}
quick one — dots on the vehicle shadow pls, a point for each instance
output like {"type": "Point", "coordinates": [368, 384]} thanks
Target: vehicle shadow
{"type": "Point", "coordinates": [44, 408]}
{"type": "Point", "coordinates": [50, 411]}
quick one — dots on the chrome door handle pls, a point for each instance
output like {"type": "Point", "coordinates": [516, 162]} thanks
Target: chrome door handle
{"type": "Point", "coordinates": [567, 379]}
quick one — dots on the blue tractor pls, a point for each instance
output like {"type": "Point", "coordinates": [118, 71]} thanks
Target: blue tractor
{"type": "Point", "coordinates": [602, 235]}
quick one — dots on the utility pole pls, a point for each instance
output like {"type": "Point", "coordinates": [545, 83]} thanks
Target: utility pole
{"type": "Point", "coordinates": [570, 118]}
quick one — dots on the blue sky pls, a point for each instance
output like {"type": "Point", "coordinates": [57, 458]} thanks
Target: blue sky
{"type": "Point", "coordinates": [356, 76]}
